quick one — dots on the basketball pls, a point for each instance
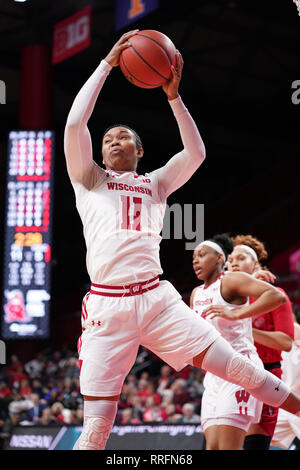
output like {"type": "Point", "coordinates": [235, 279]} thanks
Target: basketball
{"type": "Point", "coordinates": [147, 61]}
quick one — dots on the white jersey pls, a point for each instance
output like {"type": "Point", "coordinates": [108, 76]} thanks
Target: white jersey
{"type": "Point", "coordinates": [291, 364]}
{"type": "Point", "coordinates": [288, 425]}
{"type": "Point", "coordinates": [122, 218]}
{"type": "Point", "coordinates": [238, 332]}
{"type": "Point", "coordinates": [122, 212]}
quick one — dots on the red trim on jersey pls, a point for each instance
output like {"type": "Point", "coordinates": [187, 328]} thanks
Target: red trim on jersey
{"type": "Point", "coordinates": [102, 286]}
{"type": "Point", "coordinates": [129, 290]}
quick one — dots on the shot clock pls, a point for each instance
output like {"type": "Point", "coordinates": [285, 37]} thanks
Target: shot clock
{"type": "Point", "coordinates": [28, 235]}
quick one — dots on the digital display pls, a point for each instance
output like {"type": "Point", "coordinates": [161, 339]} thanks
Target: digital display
{"type": "Point", "coordinates": [28, 235]}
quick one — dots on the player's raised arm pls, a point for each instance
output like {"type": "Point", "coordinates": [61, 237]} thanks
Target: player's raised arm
{"type": "Point", "coordinates": [77, 139]}
{"type": "Point", "coordinates": [180, 168]}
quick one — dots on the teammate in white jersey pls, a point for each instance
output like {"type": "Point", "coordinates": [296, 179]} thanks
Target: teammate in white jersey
{"type": "Point", "coordinates": [288, 425]}
{"type": "Point", "coordinates": [122, 215]}
{"type": "Point", "coordinates": [273, 332]}
{"type": "Point", "coordinates": [227, 410]}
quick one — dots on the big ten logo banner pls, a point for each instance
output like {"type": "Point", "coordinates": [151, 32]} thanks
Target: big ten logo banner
{"type": "Point", "coordinates": [71, 35]}
{"type": "Point", "coordinates": [129, 11]}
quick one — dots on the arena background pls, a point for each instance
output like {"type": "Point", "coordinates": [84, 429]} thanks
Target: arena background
{"type": "Point", "coordinates": [241, 59]}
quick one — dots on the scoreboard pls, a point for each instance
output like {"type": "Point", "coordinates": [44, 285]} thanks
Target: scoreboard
{"type": "Point", "coordinates": [28, 235]}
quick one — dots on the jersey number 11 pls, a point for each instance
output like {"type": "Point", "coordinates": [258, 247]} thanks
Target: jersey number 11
{"type": "Point", "coordinates": [133, 222]}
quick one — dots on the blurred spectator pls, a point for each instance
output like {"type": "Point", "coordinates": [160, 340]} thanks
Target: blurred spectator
{"type": "Point", "coordinates": [52, 394]}
{"type": "Point", "coordinates": [17, 377]}
{"type": "Point", "coordinates": [179, 389]}
{"type": "Point", "coordinates": [52, 365]}
{"type": "Point", "coordinates": [127, 417]}
{"type": "Point", "coordinates": [38, 405]}
{"type": "Point", "coordinates": [58, 412]}
{"type": "Point", "coordinates": [4, 389]}
{"type": "Point", "coordinates": [136, 407]}
{"type": "Point", "coordinates": [152, 412]}
{"type": "Point", "coordinates": [14, 365]}
{"type": "Point", "coordinates": [142, 391]}
{"type": "Point", "coordinates": [124, 399]}
{"type": "Point", "coordinates": [145, 375]}
{"type": "Point", "coordinates": [37, 387]}
{"type": "Point", "coordinates": [19, 405]}
{"type": "Point", "coordinates": [47, 418]}
{"type": "Point", "coordinates": [165, 379]}
{"type": "Point", "coordinates": [151, 392]}
{"type": "Point", "coordinates": [35, 367]}
{"type": "Point", "coordinates": [25, 388]}
{"type": "Point", "coordinates": [71, 368]}
{"type": "Point", "coordinates": [70, 397]}
{"type": "Point", "coordinates": [170, 414]}
{"type": "Point", "coordinates": [189, 415]}
{"type": "Point", "coordinates": [76, 418]}
{"type": "Point", "coordinates": [195, 383]}
{"type": "Point", "coordinates": [132, 382]}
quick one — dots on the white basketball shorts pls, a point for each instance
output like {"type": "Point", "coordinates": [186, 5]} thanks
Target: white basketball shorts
{"type": "Point", "coordinates": [115, 327]}
{"type": "Point", "coordinates": [224, 403]}
{"type": "Point", "coordinates": [287, 428]}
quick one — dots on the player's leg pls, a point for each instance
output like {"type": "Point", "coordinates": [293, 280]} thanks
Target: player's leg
{"type": "Point", "coordinates": [109, 345]}
{"type": "Point", "coordinates": [227, 412]}
{"type": "Point", "coordinates": [99, 416]}
{"type": "Point", "coordinates": [226, 436]}
{"type": "Point", "coordinates": [211, 438]}
{"type": "Point", "coordinates": [176, 336]}
{"type": "Point", "coordinates": [230, 437]}
{"type": "Point", "coordinates": [220, 359]}
{"type": "Point", "coordinates": [260, 433]}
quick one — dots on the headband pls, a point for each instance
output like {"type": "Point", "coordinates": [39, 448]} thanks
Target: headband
{"type": "Point", "coordinates": [249, 250]}
{"type": "Point", "coordinates": [213, 245]}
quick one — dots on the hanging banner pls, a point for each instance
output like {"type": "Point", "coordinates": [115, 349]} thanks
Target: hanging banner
{"type": "Point", "coordinates": [71, 35]}
{"type": "Point", "coordinates": [129, 11]}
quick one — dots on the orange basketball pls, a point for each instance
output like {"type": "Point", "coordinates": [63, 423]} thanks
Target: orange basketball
{"type": "Point", "coordinates": [147, 61]}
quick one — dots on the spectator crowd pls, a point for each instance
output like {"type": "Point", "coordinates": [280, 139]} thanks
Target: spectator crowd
{"type": "Point", "coordinates": [45, 391]}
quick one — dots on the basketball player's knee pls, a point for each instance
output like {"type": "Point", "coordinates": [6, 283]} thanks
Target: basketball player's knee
{"type": "Point", "coordinates": [95, 433]}
{"type": "Point", "coordinates": [244, 372]}
{"type": "Point", "coordinates": [222, 360]}
{"type": "Point", "coordinates": [99, 416]}
{"type": "Point", "coordinates": [262, 384]}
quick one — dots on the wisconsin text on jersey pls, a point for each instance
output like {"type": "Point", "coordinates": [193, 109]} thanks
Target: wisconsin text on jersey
{"type": "Point", "coordinates": [127, 187]}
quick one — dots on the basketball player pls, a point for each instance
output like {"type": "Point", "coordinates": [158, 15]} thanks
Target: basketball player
{"type": "Point", "coordinates": [127, 306]}
{"type": "Point", "coordinates": [273, 332]}
{"type": "Point", "coordinates": [288, 425]}
{"type": "Point", "coordinates": [228, 410]}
